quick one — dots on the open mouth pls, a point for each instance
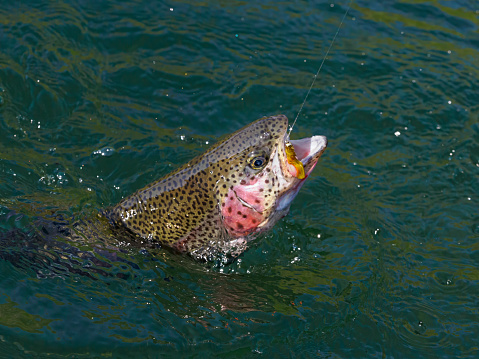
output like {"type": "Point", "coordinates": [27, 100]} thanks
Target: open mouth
{"type": "Point", "coordinates": [302, 155]}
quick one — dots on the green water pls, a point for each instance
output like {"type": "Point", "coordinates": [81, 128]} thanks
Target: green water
{"type": "Point", "coordinates": [379, 256]}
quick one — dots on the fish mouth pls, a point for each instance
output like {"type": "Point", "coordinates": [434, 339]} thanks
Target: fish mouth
{"type": "Point", "coordinates": [307, 151]}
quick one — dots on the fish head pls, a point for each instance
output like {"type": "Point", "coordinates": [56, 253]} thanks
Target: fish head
{"type": "Point", "coordinates": [261, 180]}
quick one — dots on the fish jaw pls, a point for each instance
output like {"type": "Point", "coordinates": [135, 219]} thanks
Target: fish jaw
{"type": "Point", "coordinates": [308, 151]}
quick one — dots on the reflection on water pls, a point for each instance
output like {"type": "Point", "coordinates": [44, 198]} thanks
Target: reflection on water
{"type": "Point", "coordinates": [379, 254]}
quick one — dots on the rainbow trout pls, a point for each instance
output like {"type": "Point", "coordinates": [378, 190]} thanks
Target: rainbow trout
{"type": "Point", "coordinates": [224, 198]}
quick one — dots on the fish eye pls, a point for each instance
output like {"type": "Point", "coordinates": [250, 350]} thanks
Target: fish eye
{"type": "Point", "coordinates": [257, 162]}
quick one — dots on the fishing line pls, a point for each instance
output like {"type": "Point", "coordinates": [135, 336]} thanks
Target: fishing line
{"type": "Point", "coordinates": [320, 66]}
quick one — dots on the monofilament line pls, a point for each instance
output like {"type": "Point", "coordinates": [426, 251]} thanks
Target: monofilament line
{"type": "Point", "coordinates": [320, 66]}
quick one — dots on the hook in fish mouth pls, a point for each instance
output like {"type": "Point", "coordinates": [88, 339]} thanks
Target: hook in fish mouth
{"type": "Point", "coordinates": [292, 159]}
{"type": "Point", "coordinates": [302, 155]}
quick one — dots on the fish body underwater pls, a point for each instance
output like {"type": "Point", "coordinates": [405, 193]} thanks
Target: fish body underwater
{"type": "Point", "coordinates": [222, 199]}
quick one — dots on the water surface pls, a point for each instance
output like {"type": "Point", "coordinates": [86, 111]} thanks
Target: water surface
{"type": "Point", "coordinates": [379, 255]}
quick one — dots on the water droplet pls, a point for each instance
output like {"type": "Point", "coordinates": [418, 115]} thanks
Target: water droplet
{"type": "Point", "coordinates": [105, 151]}
{"type": "Point", "coordinates": [265, 136]}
